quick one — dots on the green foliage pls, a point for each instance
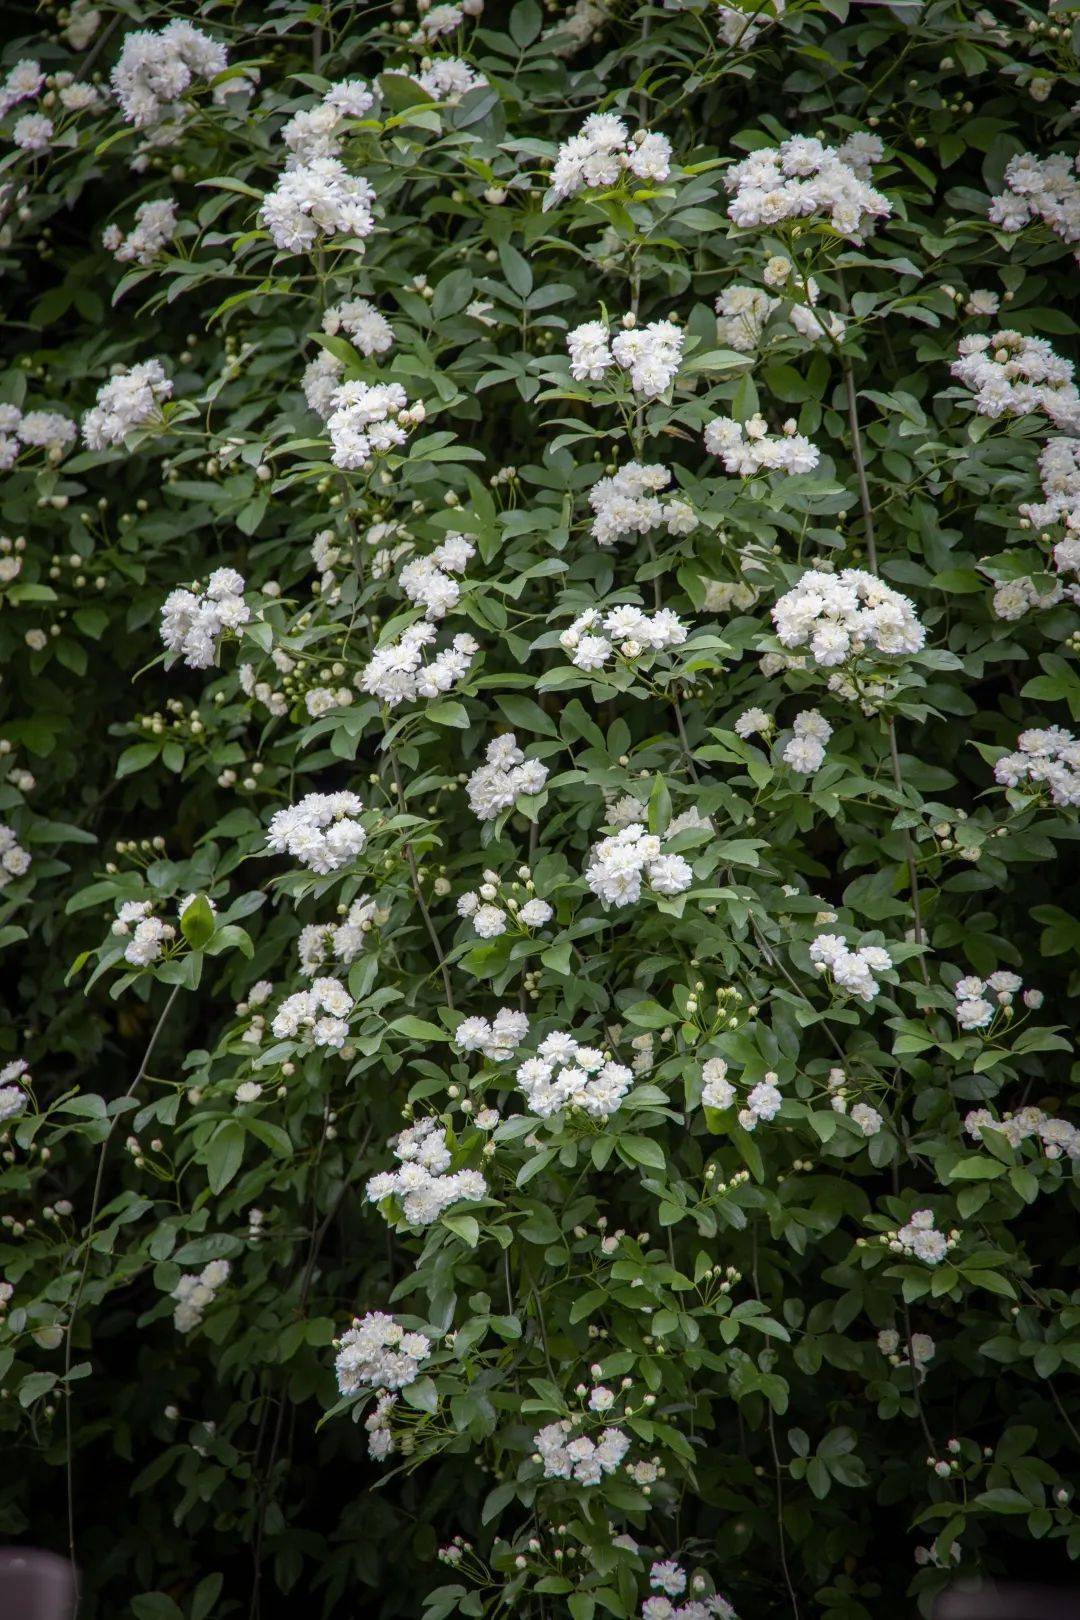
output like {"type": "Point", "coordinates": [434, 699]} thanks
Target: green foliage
{"type": "Point", "coordinates": [732, 1275]}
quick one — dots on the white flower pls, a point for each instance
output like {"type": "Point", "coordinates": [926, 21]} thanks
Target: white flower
{"type": "Point", "coordinates": [377, 1353]}
{"type": "Point", "coordinates": [1045, 762]}
{"type": "Point", "coordinates": [866, 1118]}
{"type": "Point", "coordinates": [650, 354]}
{"type": "Point", "coordinates": [846, 615]}
{"type": "Point", "coordinates": [448, 78]}
{"type": "Point", "coordinates": [423, 1184]}
{"type": "Point", "coordinates": [1043, 189]}
{"type": "Point", "coordinates": [802, 178]}
{"type": "Point", "coordinates": [396, 672]}
{"type": "Point", "coordinates": [580, 1459]}
{"type": "Point", "coordinates": [621, 865]}
{"type": "Point", "coordinates": [318, 1014]}
{"type": "Point", "coordinates": [669, 1578]}
{"type": "Point", "coordinates": [920, 1239]}
{"type": "Point", "coordinates": [193, 622]}
{"type": "Point", "coordinates": [628, 503]}
{"type": "Point", "coordinates": [601, 152]}
{"type": "Point", "coordinates": [370, 332]}
{"type": "Point", "coordinates": [535, 913]}
{"type": "Point", "coordinates": [316, 199]}
{"type": "Point", "coordinates": [852, 970]}
{"type": "Point", "coordinates": [154, 227]}
{"type": "Point", "coordinates": [746, 448]}
{"type": "Point", "coordinates": [975, 1013]}
{"type": "Point", "coordinates": [33, 132]}
{"type": "Point", "coordinates": [195, 1292]}
{"type": "Point", "coordinates": [1013, 375]}
{"type": "Point", "coordinates": [156, 69]}
{"type": "Point", "coordinates": [131, 399]}
{"type": "Point", "coordinates": [320, 831]}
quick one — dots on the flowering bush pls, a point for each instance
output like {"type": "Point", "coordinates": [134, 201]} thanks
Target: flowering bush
{"type": "Point", "coordinates": [539, 576]}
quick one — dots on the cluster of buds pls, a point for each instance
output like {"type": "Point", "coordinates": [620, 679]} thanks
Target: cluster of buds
{"type": "Point", "coordinates": [719, 1189]}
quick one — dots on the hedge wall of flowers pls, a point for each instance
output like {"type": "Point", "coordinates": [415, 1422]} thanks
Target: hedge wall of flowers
{"type": "Point", "coordinates": [539, 565]}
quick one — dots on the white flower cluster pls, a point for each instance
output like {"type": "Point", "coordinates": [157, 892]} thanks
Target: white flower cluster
{"type": "Point", "coordinates": [846, 615]}
{"type": "Point", "coordinates": [1059, 469]}
{"type": "Point", "coordinates": [320, 381]}
{"type": "Point", "coordinates": [601, 152]}
{"type": "Point", "coordinates": [743, 311]}
{"type": "Point", "coordinates": [496, 785]}
{"type": "Point", "coordinates": [24, 80]}
{"type": "Point", "coordinates": [367, 420]}
{"type": "Point", "coordinates": [667, 1578]}
{"type": "Point", "coordinates": [498, 1039]}
{"type": "Point", "coordinates": [377, 1353]}
{"type": "Point", "coordinates": [805, 752]}
{"type": "Point", "coordinates": [920, 1239]}
{"type": "Point", "coordinates": [489, 919]}
{"type": "Point", "coordinates": [33, 430]}
{"type": "Point", "coordinates": [273, 698]}
{"type": "Point", "coordinates": [129, 400]}
{"type": "Point", "coordinates": [155, 69]}
{"type": "Point", "coordinates": [620, 866]}
{"type": "Point", "coordinates": [155, 226]}
{"type": "Point", "coordinates": [321, 196]}
{"type": "Point", "coordinates": [429, 581]}
{"type": "Point", "coordinates": [1013, 375]}
{"type": "Point", "coordinates": [566, 1075]}
{"type": "Point", "coordinates": [315, 132]}
{"type": "Point", "coordinates": [194, 1294]}
{"type": "Point", "coordinates": [319, 1015]}
{"type": "Point", "coordinates": [922, 1348]}
{"type": "Point", "coordinates": [448, 78]}
{"type": "Point", "coordinates": [423, 1183]}
{"type": "Point", "coordinates": [628, 503]}
{"type": "Point", "coordinates": [12, 1095]}
{"type": "Point", "coordinates": [638, 634]}
{"type": "Point", "coordinates": [339, 942]}
{"type": "Point", "coordinates": [717, 1090]}
{"type": "Point", "coordinates": [747, 448]}
{"type": "Point", "coordinates": [973, 1008]}
{"type": "Point", "coordinates": [320, 831]}
{"type": "Point", "coordinates": [580, 1459]}
{"type": "Point", "coordinates": [1047, 759]}
{"type": "Point", "coordinates": [193, 622]}
{"type": "Point", "coordinates": [370, 332]}
{"type": "Point", "coordinates": [149, 935]}
{"type": "Point", "coordinates": [1057, 1137]}
{"type": "Point", "coordinates": [851, 970]}
{"type": "Point", "coordinates": [763, 1101]}
{"type": "Point", "coordinates": [651, 354]}
{"type": "Point", "coordinates": [1046, 189]}
{"type": "Point", "coordinates": [801, 177]}
{"type": "Point", "coordinates": [1014, 597]}
{"type": "Point", "coordinates": [396, 672]}
{"type": "Point", "coordinates": [14, 860]}
{"type": "Point", "coordinates": [437, 20]}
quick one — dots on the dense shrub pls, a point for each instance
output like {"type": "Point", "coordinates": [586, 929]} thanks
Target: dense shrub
{"type": "Point", "coordinates": [539, 580]}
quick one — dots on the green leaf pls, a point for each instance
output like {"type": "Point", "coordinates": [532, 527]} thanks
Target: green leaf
{"type": "Point", "coordinates": [197, 923]}
{"type": "Point", "coordinates": [224, 1154]}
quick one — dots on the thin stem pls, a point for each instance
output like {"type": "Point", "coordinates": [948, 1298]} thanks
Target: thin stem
{"type": "Point", "coordinates": [860, 464]}
{"type": "Point", "coordinates": [780, 1518]}
{"type": "Point", "coordinates": [909, 850]}
{"type": "Point", "coordinates": [95, 1200]}
{"type": "Point", "coordinates": [421, 902]}
{"type": "Point", "coordinates": [871, 553]}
